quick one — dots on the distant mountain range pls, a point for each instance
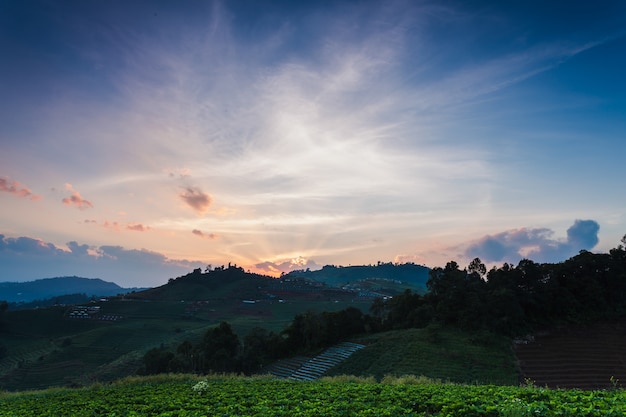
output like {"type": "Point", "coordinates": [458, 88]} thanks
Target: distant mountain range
{"type": "Point", "coordinates": [41, 289]}
{"type": "Point", "coordinates": [386, 278]}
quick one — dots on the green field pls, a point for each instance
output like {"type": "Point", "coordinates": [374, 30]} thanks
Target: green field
{"type": "Point", "coordinates": [186, 396]}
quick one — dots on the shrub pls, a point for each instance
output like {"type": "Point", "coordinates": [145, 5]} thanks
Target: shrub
{"type": "Point", "coordinates": [409, 380]}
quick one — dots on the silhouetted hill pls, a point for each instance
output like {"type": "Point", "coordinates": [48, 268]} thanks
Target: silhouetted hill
{"type": "Point", "coordinates": [233, 283]}
{"type": "Point", "coordinates": [222, 283]}
{"type": "Point", "coordinates": [409, 273]}
{"type": "Point", "coordinates": [16, 292]}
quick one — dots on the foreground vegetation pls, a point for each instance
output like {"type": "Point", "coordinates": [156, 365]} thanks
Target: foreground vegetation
{"type": "Point", "coordinates": [186, 395]}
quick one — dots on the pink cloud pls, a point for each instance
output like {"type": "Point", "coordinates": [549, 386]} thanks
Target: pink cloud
{"type": "Point", "coordinates": [196, 199]}
{"type": "Point", "coordinates": [203, 235]}
{"type": "Point", "coordinates": [137, 227]}
{"type": "Point", "coordinates": [17, 189]}
{"type": "Point", "coordinates": [76, 199]}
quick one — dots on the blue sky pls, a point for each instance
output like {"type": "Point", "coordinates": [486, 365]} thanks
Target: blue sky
{"type": "Point", "coordinates": [139, 140]}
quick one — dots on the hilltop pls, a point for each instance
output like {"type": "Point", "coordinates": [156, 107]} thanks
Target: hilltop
{"type": "Point", "coordinates": [330, 282]}
{"type": "Point", "coordinates": [233, 284]}
{"type": "Point", "coordinates": [387, 278]}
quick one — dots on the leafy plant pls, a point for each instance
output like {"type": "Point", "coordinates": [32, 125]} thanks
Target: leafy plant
{"type": "Point", "coordinates": [186, 396]}
{"type": "Point", "coordinates": [514, 408]}
{"type": "Point", "coordinates": [201, 387]}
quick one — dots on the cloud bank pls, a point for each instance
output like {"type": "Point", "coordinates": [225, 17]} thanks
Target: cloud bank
{"type": "Point", "coordinates": [27, 259]}
{"type": "Point", "coordinates": [537, 244]}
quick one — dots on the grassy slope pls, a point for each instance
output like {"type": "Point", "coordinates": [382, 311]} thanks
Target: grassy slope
{"type": "Point", "coordinates": [445, 354]}
{"type": "Point", "coordinates": [47, 348]}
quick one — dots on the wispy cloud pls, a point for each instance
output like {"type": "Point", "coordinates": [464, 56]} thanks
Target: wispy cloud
{"type": "Point", "coordinates": [338, 118]}
{"type": "Point", "coordinates": [17, 189]}
{"type": "Point", "coordinates": [464, 86]}
{"type": "Point", "coordinates": [76, 199]}
{"type": "Point", "coordinates": [310, 137]}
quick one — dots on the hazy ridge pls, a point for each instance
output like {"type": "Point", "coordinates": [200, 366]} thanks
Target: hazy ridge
{"type": "Point", "coordinates": [40, 289]}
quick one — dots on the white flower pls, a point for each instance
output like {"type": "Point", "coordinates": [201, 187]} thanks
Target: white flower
{"type": "Point", "coordinates": [201, 387]}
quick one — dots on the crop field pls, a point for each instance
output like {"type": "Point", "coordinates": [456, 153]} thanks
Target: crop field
{"type": "Point", "coordinates": [583, 356]}
{"type": "Point", "coordinates": [186, 396]}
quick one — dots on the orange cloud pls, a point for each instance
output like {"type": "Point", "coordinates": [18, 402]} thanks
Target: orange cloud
{"type": "Point", "coordinates": [76, 199]}
{"type": "Point", "coordinates": [287, 266]}
{"type": "Point", "coordinates": [196, 199]}
{"type": "Point", "coordinates": [203, 235]}
{"type": "Point", "coordinates": [17, 189]}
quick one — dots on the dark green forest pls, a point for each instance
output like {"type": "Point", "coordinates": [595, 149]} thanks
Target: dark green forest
{"type": "Point", "coordinates": [510, 300]}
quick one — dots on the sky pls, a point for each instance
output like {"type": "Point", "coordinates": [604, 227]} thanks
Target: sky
{"type": "Point", "coordinates": [140, 140]}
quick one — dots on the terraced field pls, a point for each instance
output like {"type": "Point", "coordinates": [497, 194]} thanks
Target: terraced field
{"type": "Point", "coordinates": [585, 357]}
{"type": "Point", "coordinates": [301, 368]}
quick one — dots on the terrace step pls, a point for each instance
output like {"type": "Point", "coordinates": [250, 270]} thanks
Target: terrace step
{"type": "Point", "coordinates": [312, 368]}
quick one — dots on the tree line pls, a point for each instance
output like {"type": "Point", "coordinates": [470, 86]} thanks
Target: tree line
{"type": "Point", "coordinates": [514, 300]}
{"type": "Point", "coordinates": [221, 350]}
{"type": "Point", "coordinates": [508, 300]}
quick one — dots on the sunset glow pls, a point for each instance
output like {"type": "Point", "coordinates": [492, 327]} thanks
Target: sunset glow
{"type": "Point", "coordinates": [141, 140]}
